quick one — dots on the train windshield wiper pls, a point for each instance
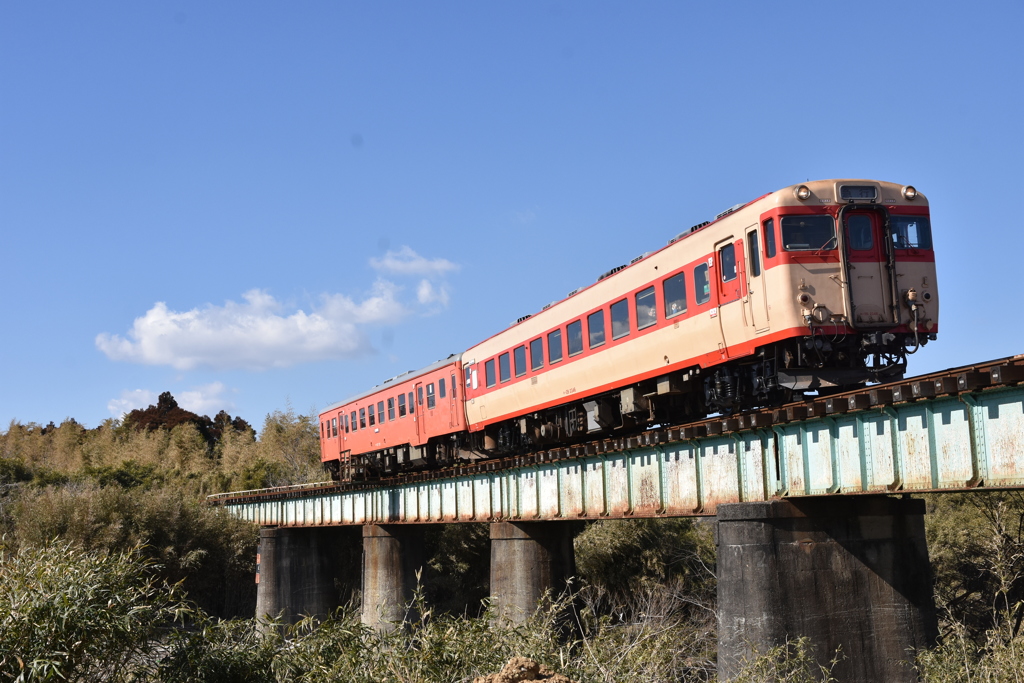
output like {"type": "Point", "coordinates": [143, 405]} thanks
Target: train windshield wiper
{"type": "Point", "coordinates": [830, 240]}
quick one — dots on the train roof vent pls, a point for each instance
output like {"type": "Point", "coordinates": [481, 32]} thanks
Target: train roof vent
{"type": "Point", "coordinates": [547, 306]}
{"type": "Point", "coordinates": [641, 257]}
{"type": "Point", "coordinates": [573, 292]}
{"type": "Point", "coordinates": [699, 226]}
{"type": "Point", "coordinates": [521, 319]}
{"type": "Point", "coordinates": [728, 211]}
{"type": "Point", "coordinates": [611, 272]}
{"type": "Point", "coordinates": [679, 237]}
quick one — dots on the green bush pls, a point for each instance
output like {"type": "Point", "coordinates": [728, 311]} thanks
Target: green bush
{"type": "Point", "coordinates": [211, 552]}
{"type": "Point", "coordinates": [67, 614]}
{"type": "Point", "coordinates": [624, 562]}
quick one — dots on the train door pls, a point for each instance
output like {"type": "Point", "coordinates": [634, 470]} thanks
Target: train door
{"type": "Point", "coordinates": [731, 284]}
{"type": "Point", "coordinates": [420, 414]}
{"type": "Point", "coordinates": [757, 298]}
{"type": "Point", "coordinates": [453, 405]}
{"type": "Point", "coordinates": [868, 269]}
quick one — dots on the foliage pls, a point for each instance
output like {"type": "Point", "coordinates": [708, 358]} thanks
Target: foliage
{"type": "Point", "coordinates": [67, 614]}
{"type": "Point", "coordinates": [790, 662]}
{"type": "Point", "coordinates": [294, 441]}
{"type": "Point", "coordinates": [457, 574]}
{"type": "Point", "coordinates": [976, 545]}
{"type": "Point", "coordinates": [977, 551]}
{"type": "Point", "coordinates": [211, 552]}
{"type": "Point", "coordinates": [241, 651]}
{"type": "Point", "coordinates": [166, 414]}
{"type": "Point", "coordinates": [623, 561]}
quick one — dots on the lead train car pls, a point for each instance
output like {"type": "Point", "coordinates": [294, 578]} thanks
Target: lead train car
{"type": "Point", "coordinates": [816, 286]}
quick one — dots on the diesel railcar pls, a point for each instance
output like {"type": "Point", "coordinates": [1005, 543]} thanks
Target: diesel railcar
{"type": "Point", "coordinates": [818, 286]}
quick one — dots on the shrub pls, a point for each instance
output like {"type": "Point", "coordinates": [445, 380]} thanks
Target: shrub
{"type": "Point", "coordinates": [210, 551]}
{"type": "Point", "coordinates": [66, 614]}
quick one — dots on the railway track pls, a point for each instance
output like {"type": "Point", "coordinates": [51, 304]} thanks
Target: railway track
{"type": "Point", "coordinates": [951, 382]}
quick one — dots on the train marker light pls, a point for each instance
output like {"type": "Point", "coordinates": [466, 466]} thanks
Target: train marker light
{"type": "Point", "coordinates": [910, 193]}
{"type": "Point", "coordinates": [803, 192]}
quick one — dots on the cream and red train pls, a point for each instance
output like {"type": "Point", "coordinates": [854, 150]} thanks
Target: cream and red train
{"type": "Point", "coordinates": [820, 285]}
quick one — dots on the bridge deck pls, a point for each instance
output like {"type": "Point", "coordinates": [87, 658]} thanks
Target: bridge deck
{"type": "Point", "coordinates": [962, 441]}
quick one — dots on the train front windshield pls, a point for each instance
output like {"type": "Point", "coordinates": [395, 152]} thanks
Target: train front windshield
{"type": "Point", "coordinates": [808, 233]}
{"type": "Point", "coordinates": [911, 232]}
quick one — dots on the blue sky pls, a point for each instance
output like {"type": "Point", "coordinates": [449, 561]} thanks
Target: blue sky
{"type": "Point", "coordinates": [257, 204]}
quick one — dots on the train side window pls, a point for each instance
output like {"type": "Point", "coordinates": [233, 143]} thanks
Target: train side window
{"type": "Point", "coordinates": [702, 283]}
{"type": "Point", "coordinates": [646, 308]}
{"type": "Point", "coordinates": [489, 372]}
{"type": "Point", "coordinates": [727, 262]}
{"type": "Point", "coordinates": [362, 418]}
{"type": "Point", "coordinates": [371, 415]}
{"type": "Point", "coordinates": [440, 388]}
{"type": "Point", "coordinates": [620, 319]}
{"type": "Point", "coordinates": [401, 405]}
{"type": "Point", "coordinates": [755, 257]}
{"type": "Point", "coordinates": [419, 395]}
{"type": "Point", "coordinates": [769, 238]}
{"type": "Point", "coordinates": [519, 360]}
{"type": "Point", "coordinates": [554, 346]}
{"type": "Point", "coordinates": [504, 370]}
{"type": "Point", "coordinates": [574, 332]}
{"type": "Point", "coordinates": [322, 435]}
{"type": "Point", "coordinates": [391, 409]}
{"type": "Point", "coordinates": [355, 425]}
{"type": "Point", "coordinates": [674, 291]}
{"type": "Point", "coordinates": [412, 404]}
{"type": "Point", "coordinates": [808, 233]}
{"type": "Point", "coordinates": [595, 328]}
{"type": "Point", "coordinates": [346, 424]}
{"type": "Point", "coordinates": [380, 412]}
{"type": "Point", "coordinates": [431, 401]}
{"type": "Point", "coordinates": [453, 385]}
{"type": "Point", "coordinates": [537, 354]}
{"type": "Point", "coordinates": [334, 426]}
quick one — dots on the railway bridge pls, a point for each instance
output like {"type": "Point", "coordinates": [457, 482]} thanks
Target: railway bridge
{"type": "Point", "coordinates": [816, 532]}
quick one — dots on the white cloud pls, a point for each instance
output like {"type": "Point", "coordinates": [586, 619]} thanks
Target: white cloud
{"type": "Point", "coordinates": [130, 400]}
{"type": "Point", "coordinates": [427, 293]}
{"type": "Point", "coordinates": [207, 399]}
{"type": "Point", "coordinates": [255, 334]}
{"type": "Point", "coordinates": [405, 261]}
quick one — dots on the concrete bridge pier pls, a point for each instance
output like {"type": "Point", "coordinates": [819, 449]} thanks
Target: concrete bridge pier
{"type": "Point", "coordinates": [527, 559]}
{"type": "Point", "coordinates": [392, 554]}
{"type": "Point", "coordinates": [849, 573]}
{"type": "Point", "coordinates": [301, 571]}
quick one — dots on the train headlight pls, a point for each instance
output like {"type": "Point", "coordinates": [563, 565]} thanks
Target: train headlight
{"type": "Point", "coordinates": [910, 193]}
{"type": "Point", "coordinates": [803, 192]}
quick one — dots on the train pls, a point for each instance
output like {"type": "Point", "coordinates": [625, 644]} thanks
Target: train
{"type": "Point", "coordinates": [814, 288]}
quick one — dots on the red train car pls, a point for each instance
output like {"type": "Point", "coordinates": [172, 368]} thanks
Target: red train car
{"type": "Point", "coordinates": [407, 422]}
